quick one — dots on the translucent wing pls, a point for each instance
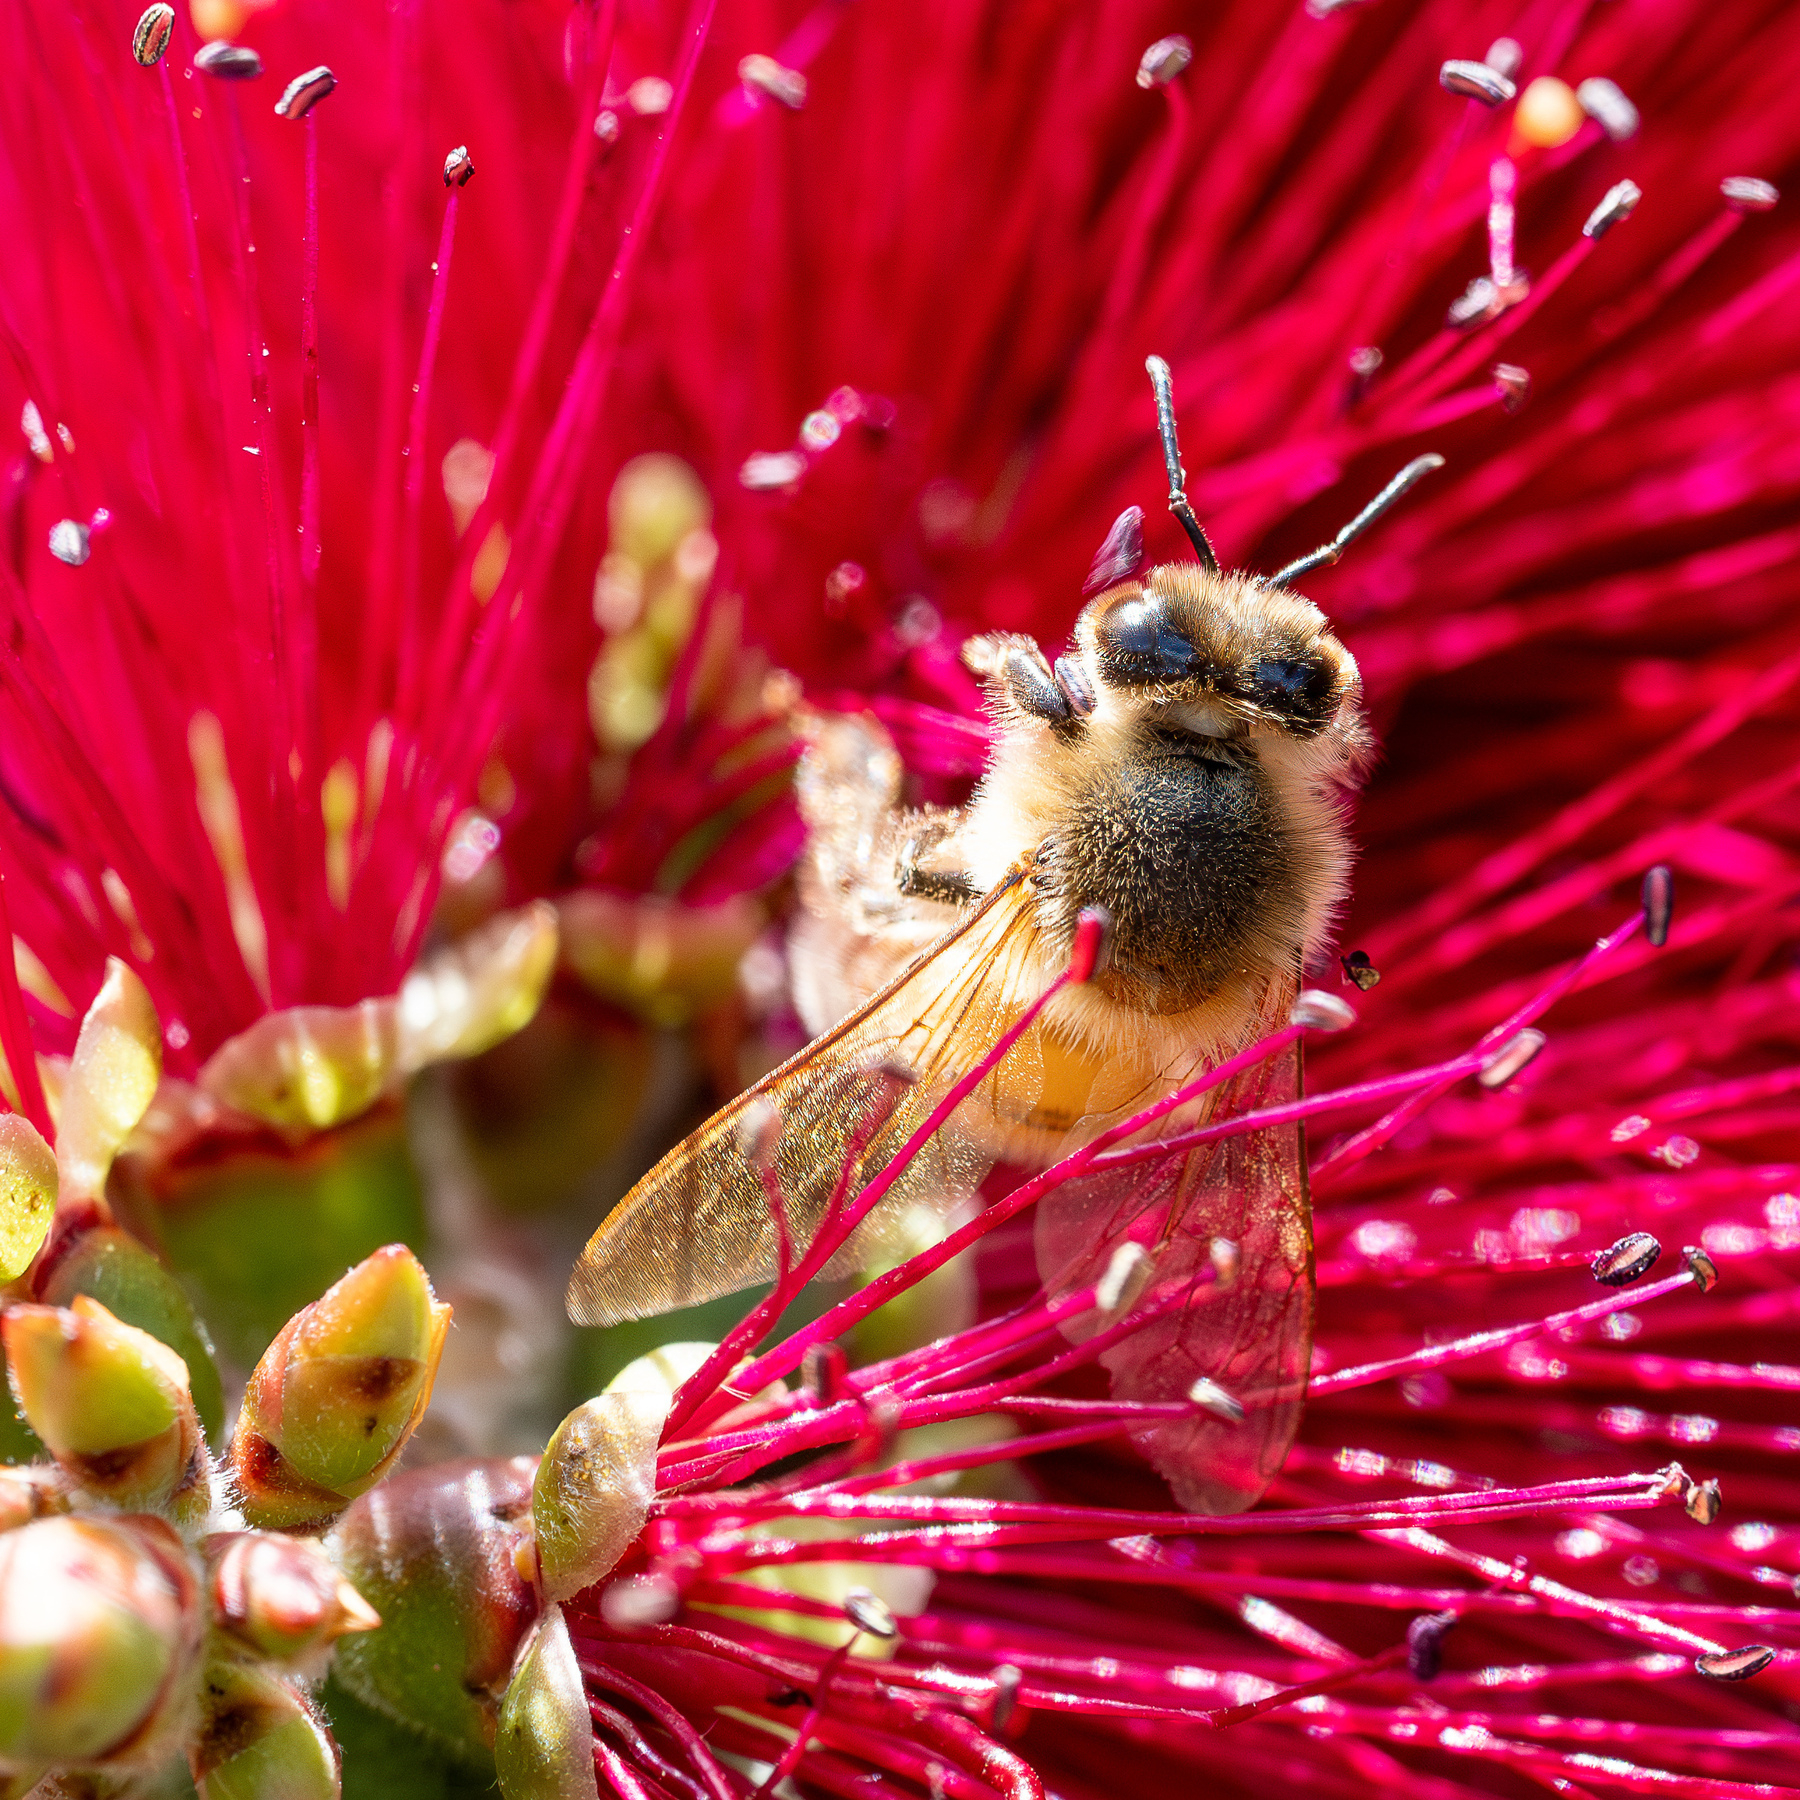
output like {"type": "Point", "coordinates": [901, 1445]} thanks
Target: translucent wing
{"type": "Point", "coordinates": [1228, 1229]}
{"type": "Point", "coordinates": [699, 1224]}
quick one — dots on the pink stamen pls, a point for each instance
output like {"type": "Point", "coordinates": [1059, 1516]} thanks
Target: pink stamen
{"type": "Point", "coordinates": [839, 1319]}
{"type": "Point", "coordinates": [411, 542]}
{"type": "Point", "coordinates": [1480, 1342]}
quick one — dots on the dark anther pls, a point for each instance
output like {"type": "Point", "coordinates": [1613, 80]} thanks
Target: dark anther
{"type": "Point", "coordinates": [305, 92]}
{"type": "Point", "coordinates": [1631, 1258]}
{"type": "Point", "coordinates": [1122, 553]}
{"type": "Point", "coordinates": [1475, 81]}
{"type": "Point", "coordinates": [1032, 686]}
{"type": "Point", "coordinates": [1425, 1643]}
{"type": "Point", "coordinates": [1359, 969]}
{"type": "Point", "coordinates": [822, 1372]}
{"type": "Point", "coordinates": [1734, 1665]}
{"type": "Point", "coordinates": [1703, 1502]}
{"type": "Point", "coordinates": [228, 62]}
{"type": "Point", "coordinates": [1702, 1267]}
{"type": "Point", "coordinates": [1658, 896]}
{"type": "Point", "coordinates": [1072, 678]}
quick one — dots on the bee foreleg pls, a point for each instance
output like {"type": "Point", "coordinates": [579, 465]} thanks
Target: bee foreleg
{"type": "Point", "coordinates": [947, 886]}
{"type": "Point", "coordinates": [1032, 686]}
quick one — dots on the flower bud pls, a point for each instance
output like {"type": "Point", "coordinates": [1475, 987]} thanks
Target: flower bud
{"type": "Point", "coordinates": [111, 1081]}
{"type": "Point", "coordinates": [308, 1068]}
{"type": "Point", "coordinates": [545, 1746]}
{"type": "Point", "coordinates": [32, 1491]}
{"type": "Point", "coordinates": [594, 1487]}
{"type": "Point", "coordinates": [281, 1597]}
{"type": "Point", "coordinates": [99, 1630]}
{"type": "Point", "coordinates": [337, 1394]}
{"type": "Point", "coordinates": [27, 1193]}
{"type": "Point", "coordinates": [111, 1404]}
{"type": "Point", "coordinates": [439, 1553]}
{"type": "Point", "coordinates": [112, 1267]}
{"type": "Point", "coordinates": [259, 1738]}
{"type": "Point", "coordinates": [478, 991]}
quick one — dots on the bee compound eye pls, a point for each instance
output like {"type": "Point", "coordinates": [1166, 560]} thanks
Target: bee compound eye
{"type": "Point", "coordinates": [1296, 687]}
{"type": "Point", "coordinates": [1139, 645]}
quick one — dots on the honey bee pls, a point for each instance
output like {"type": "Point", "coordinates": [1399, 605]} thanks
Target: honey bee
{"type": "Point", "coordinates": [1184, 767]}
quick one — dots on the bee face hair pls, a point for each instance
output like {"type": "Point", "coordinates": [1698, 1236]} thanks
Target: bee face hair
{"type": "Point", "coordinates": [1252, 659]}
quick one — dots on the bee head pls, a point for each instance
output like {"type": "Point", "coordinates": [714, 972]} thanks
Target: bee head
{"type": "Point", "coordinates": [1236, 658]}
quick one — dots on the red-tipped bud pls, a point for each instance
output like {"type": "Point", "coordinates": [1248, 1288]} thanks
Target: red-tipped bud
{"type": "Point", "coordinates": [260, 1738]}
{"type": "Point", "coordinates": [99, 1634]}
{"type": "Point", "coordinates": [337, 1394]}
{"type": "Point", "coordinates": [32, 1491]}
{"type": "Point", "coordinates": [112, 1405]}
{"type": "Point", "coordinates": [443, 1555]}
{"type": "Point", "coordinates": [545, 1746]}
{"type": "Point", "coordinates": [281, 1597]}
{"type": "Point", "coordinates": [594, 1487]}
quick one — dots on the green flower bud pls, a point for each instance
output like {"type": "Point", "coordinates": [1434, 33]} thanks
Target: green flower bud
{"type": "Point", "coordinates": [594, 1487]}
{"type": "Point", "coordinates": [281, 1597]}
{"type": "Point", "coordinates": [656, 500]}
{"type": "Point", "coordinates": [111, 1081]}
{"type": "Point", "coordinates": [337, 1394]}
{"type": "Point", "coordinates": [307, 1067]}
{"type": "Point", "coordinates": [662, 960]}
{"type": "Point", "coordinates": [99, 1633]}
{"type": "Point", "coordinates": [444, 1555]}
{"type": "Point", "coordinates": [27, 1193]}
{"type": "Point", "coordinates": [115, 1269]}
{"type": "Point", "coordinates": [259, 1738]}
{"type": "Point", "coordinates": [477, 992]}
{"type": "Point", "coordinates": [545, 1746]}
{"type": "Point", "coordinates": [111, 1404]}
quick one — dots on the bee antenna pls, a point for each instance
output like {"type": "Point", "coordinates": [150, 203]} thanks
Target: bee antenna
{"type": "Point", "coordinates": [1327, 554]}
{"type": "Point", "coordinates": [1163, 383]}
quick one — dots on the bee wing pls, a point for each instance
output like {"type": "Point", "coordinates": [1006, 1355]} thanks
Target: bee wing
{"type": "Point", "coordinates": [699, 1224]}
{"type": "Point", "coordinates": [1239, 1315]}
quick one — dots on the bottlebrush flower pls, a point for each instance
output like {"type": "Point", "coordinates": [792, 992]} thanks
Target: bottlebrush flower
{"type": "Point", "coordinates": [1573, 640]}
{"type": "Point", "coordinates": [238, 737]}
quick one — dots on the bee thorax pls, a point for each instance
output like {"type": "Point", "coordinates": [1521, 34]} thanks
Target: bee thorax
{"type": "Point", "coordinates": [1209, 867]}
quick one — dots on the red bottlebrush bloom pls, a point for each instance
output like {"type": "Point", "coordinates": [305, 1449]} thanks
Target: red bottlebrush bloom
{"type": "Point", "coordinates": [902, 336]}
{"type": "Point", "coordinates": [241, 726]}
{"type": "Point", "coordinates": [1419, 1604]}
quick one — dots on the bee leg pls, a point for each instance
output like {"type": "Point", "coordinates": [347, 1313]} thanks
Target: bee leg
{"type": "Point", "coordinates": [947, 886]}
{"type": "Point", "coordinates": [1034, 688]}
{"type": "Point", "coordinates": [1072, 677]}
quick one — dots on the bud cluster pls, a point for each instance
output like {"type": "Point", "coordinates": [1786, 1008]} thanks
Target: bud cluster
{"type": "Point", "coordinates": [135, 1624]}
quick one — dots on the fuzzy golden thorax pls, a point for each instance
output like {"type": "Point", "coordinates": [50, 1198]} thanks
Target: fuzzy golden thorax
{"type": "Point", "coordinates": [1183, 767]}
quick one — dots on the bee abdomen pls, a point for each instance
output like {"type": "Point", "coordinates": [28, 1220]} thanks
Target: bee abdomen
{"type": "Point", "coordinates": [1192, 853]}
